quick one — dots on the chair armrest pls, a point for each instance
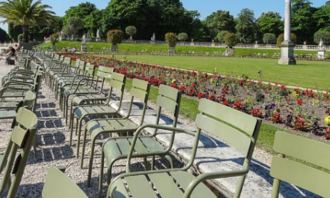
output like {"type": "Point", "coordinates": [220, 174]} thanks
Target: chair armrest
{"type": "Point", "coordinates": [215, 175]}
{"type": "Point", "coordinates": [166, 128]}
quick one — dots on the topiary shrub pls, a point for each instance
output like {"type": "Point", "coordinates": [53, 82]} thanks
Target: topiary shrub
{"type": "Point", "coordinates": [183, 36]}
{"type": "Point", "coordinates": [131, 31]}
{"type": "Point", "coordinates": [280, 39]}
{"type": "Point", "coordinates": [230, 39]}
{"type": "Point", "coordinates": [171, 39]}
{"type": "Point", "coordinates": [221, 36]}
{"type": "Point", "coordinates": [269, 38]}
{"type": "Point", "coordinates": [115, 37]}
{"type": "Point", "coordinates": [54, 39]}
{"type": "Point", "coordinates": [323, 34]}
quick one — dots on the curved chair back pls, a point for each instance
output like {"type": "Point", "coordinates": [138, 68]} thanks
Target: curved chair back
{"type": "Point", "coordinates": [301, 161]}
{"type": "Point", "coordinates": [17, 151]}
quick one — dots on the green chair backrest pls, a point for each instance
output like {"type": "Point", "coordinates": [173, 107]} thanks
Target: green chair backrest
{"type": "Point", "coordinates": [59, 185]}
{"type": "Point", "coordinates": [301, 161]}
{"type": "Point", "coordinates": [117, 82]}
{"type": "Point", "coordinates": [104, 72]}
{"type": "Point", "coordinates": [89, 69]}
{"type": "Point", "coordinates": [169, 99]}
{"type": "Point", "coordinates": [140, 90]}
{"type": "Point", "coordinates": [17, 151]}
{"type": "Point", "coordinates": [235, 128]}
{"type": "Point", "coordinates": [67, 61]}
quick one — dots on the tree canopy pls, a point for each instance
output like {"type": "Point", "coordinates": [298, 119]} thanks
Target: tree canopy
{"type": "Point", "coordinates": [220, 21]}
{"type": "Point", "coordinates": [26, 14]}
{"type": "Point", "coordinates": [246, 26]}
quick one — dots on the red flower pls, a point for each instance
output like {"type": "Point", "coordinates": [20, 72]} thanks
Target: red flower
{"type": "Point", "coordinates": [299, 101]}
{"type": "Point", "coordinates": [201, 95]}
{"type": "Point", "coordinates": [256, 112]}
{"type": "Point", "coordinates": [299, 123]}
{"type": "Point", "coordinates": [238, 105]}
{"type": "Point", "coordinates": [276, 118]}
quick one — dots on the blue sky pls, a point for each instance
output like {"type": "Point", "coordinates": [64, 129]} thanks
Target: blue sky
{"type": "Point", "coordinates": [205, 7]}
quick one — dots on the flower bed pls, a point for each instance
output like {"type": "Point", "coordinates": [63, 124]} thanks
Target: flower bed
{"type": "Point", "coordinates": [300, 109]}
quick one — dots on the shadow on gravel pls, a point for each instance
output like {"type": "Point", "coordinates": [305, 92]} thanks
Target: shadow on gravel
{"type": "Point", "coordinates": [51, 154]}
{"type": "Point", "coordinates": [50, 139]}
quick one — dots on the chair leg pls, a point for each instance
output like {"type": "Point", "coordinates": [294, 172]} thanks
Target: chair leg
{"type": "Point", "coordinates": [83, 148]}
{"type": "Point", "coordinates": [91, 159]}
{"type": "Point", "coordinates": [79, 134]}
{"type": "Point", "coordinates": [101, 173]}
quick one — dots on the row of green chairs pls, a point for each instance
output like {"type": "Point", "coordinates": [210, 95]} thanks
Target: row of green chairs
{"type": "Point", "coordinates": [23, 80]}
{"type": "Point", "coordinates": [235, 128]}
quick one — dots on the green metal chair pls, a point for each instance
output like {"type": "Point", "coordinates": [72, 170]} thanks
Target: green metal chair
{"type": "Point", "coordinates": [59, 185]}
{"type": "Point", "coordinates": [8, 109]}
{"type": "Point", "coordinates": [123, 125]}
{"type": "Point", "coordinates": [83, 112]}
{"type": "Point", "coordinates": [235, 128]}
{"type": "Point", "coordinates": [83, 86]}
{"type": "Point", "coordinates": [301, 161]}
{"type": "Point", "coordinates": [114, 149]}
{"type": "Point", "coordinates": [14, 159]}
{"type": "Point", "coordinates": [102, 75]}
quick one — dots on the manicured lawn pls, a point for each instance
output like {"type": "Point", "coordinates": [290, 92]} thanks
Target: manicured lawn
{"type": "Point", "coordinates": [163, 49]}
{"type": "Point", "coordinates": [189, 110]}
{"type": "Point", "coordinates": [309, 74]}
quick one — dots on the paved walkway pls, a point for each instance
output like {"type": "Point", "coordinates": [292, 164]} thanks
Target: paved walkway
{"type": "Point", "coordinates": [54, 150]}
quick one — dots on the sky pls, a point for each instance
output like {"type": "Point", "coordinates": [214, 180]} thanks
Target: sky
{"type": "Point", "coordinates": [204, 7]}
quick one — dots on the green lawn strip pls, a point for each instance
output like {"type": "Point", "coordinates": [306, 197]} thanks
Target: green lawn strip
{"type": "Point", "coordinates": [162, 48]}
{"type": "Point", "coordinates": [309, 74]}
{"type": "Point", "coordinates": [189, 110]}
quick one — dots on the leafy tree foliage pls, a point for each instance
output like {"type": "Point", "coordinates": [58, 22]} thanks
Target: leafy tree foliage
{"type": "Point", "coordinates": [220, 21]}
{"type": "Point", "coordinates": [322, 16]}
{"type": "Point", "coordinates": [150, 16]}
{"type": "Point", "coordinates": [26, 14]}
{"type": "Point", "coordinates": [323, 34]}
{"type": "Point", "coordinates": [303, 24]}
{"type": "Point", "coordinates": [246, 26]}
{"type": "Point", "coordinates": [183, 36]}
{"type": "Point", "coordinates": [74, 27]}
{"type": "Point", "coordinates": [269, 38]}
{"type": "Point", "coordinates": [270, 22]}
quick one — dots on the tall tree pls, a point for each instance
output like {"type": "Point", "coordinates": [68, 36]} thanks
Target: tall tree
{"type": "Point", "coordinates": [220, 21]}
{"type": "Point", "coordinates": [270, 22]}
{"type": "Point", "coordinates": [246, 26]}
{"type": "Point", "coordinates": [26, 13]}
{"type": "Point", "coordinates": [149, 16]}
{"type": "Point", "coordinates": [303, 24]}
{"type": "Point", "coordinates": [322, 17]}
{"type": "Point", "coordinates": [87, 13]}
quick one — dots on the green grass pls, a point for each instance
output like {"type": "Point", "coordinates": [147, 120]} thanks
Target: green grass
{"type": "Point", "coordinates": [188, 109]}
{"type": "Point", "coordinates": [309, 74]}
{"type": "Point", "coordinates": [162, 48]}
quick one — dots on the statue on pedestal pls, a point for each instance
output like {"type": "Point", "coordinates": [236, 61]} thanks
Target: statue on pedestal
{"type": "Point", "coordinates": [98, 37]}
{"type": "Point", "coordinates": [321, 54]}
{"type": "Point", "coordinates": [83, 44]}
{"type": "Point", "coordinates": [153, 38]}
